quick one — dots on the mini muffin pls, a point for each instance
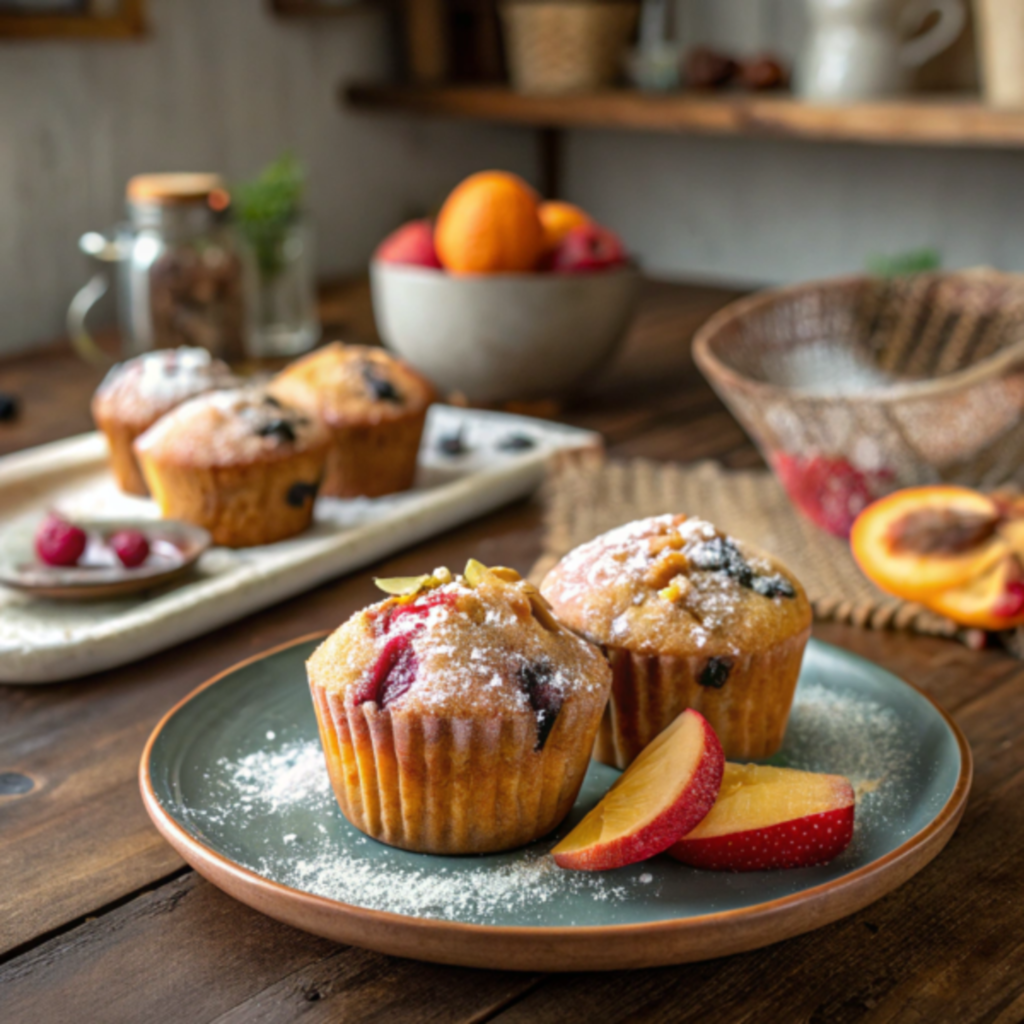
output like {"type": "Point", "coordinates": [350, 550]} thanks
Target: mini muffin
{"type": "Point", "coordinates": [239, 463]}
{"type": "Point", "coordinates": [457, 716]}
{"type": "Point", "coordinates": [375, 407]}
{"type": "Point", "coordinates": [689, 618]}
{"type": "Point", "coordinates": [135, 394]}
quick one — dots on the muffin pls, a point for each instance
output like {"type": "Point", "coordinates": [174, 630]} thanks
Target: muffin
{"type": "Point", "coordinates": [458, 715]}
{"type": "Point", "coordinates": [239, 463]}
{"type": "Point", "coordinates": [375, 407]}
{"type": "Point", "coordinates": [135, 394]}
{"type": "Point", "coordinates": [689, 618]}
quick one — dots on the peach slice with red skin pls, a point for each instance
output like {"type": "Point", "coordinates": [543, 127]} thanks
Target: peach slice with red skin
{"type": "Point", "coordinates": [660, 797]}
{"type": "Point", "coordinates": [993, 601]}
{"type": "Point", "coordinates": [917, 542]}
{"type": "Point", "coordinates": [768, 818]}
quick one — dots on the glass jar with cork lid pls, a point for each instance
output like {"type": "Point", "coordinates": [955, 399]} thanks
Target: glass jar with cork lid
{"type": "Point", "coordinates": [184, 276]}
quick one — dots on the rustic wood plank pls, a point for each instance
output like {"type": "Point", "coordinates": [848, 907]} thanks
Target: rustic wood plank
{"type": "Point", "coordinates": [204, 957]}
{"type": "Point", "coordinates": [944, 947]}
{"type": "Point", "coordinates": [953, 120]}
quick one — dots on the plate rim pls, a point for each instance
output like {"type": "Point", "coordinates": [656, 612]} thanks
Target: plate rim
{"type": "Point", "coordinates": [564, 948]}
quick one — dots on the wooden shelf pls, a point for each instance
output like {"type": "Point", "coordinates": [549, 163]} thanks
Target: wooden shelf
{"type": "Point", "coordinates": [954, 120]}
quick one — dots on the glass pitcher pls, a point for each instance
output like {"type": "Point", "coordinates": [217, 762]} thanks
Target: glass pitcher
{"type": "Point", "coordinates": [184, 276]}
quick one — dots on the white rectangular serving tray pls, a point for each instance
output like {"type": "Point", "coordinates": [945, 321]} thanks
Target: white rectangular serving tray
{"type": "Point", "coordinates": [44, 641]}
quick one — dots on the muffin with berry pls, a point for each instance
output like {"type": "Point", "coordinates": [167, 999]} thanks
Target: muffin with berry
{"type": "Point", "coordinates": [375, 407]}
{"type": "Point", "coordinates": [457, 715]}
{"type": "Point", "coordinates": [689, 618]}
{"type": "Point", "coordinates": [135, 394]}
{"type": "Point", "coordinates": [240, 463]}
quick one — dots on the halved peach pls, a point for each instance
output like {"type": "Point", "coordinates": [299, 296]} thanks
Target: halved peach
{"type": "Point", "coordinates": [922, 540]}
{"type": "Point", "coordinates": [768, 818]}
{"type": "Point", "coordinates": [660, 797]}
{"type": "Point", "coordinates": [994, 600]}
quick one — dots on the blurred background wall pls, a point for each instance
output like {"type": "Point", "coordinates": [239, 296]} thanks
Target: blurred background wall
{"type": "Point", "coordinates": [222, 85]}
{"type": "Point", "coordinates": [216, 85]}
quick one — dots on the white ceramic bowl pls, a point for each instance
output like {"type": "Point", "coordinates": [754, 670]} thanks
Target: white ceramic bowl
{"type": "Point", "coordinates": [503, 336]}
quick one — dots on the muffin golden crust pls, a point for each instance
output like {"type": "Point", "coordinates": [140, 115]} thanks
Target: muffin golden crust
{"type": "Point", "coordinates": [239, 463]}
{"type": "Point", "coordinates": [136, 393]}
{"type": "Point", "coordinates": [458, 718]}
{"type": "Point", "coordinates": [688, 618]}
{"type": "Point", "coordinates": [375, 407]}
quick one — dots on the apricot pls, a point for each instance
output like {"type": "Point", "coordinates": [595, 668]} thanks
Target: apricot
{"type": "Point", "coordinates": [921, 541]}
{"type": "Point", "coordinates": [558, 218]}
{"type": "Point", "coordinates": [489, 224]}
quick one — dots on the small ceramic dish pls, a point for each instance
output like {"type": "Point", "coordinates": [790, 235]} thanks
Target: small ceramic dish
{"type": "Point", "coordinates": [174, 549]}
{"type": "Point", "coordinates": [856, 387]}
{"type": "Point", "coordinates": [496, 337]}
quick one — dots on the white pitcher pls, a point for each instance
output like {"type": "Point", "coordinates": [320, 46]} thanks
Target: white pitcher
{"type": "Point", "coordinates": [860, 50]}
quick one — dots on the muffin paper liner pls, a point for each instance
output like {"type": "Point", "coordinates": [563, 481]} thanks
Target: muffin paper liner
{"type": "Point", "coordinates": [444, 785]}
{"type": "Point", "coordinates": [373, 459]}
{"type": "Point", "coordinates": [748, 711]}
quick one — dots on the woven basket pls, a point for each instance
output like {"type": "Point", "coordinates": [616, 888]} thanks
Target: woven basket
{"type": "Point", "coordinates": [566, 46]}
{"type": "Point", "coordinates": [855, 387]}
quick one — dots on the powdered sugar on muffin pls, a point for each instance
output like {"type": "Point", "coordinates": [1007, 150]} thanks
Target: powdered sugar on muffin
{"type": "Point", "coordinates": [458, 649]}
{"type": "Point", "coordinates": [673, 584]}
{"type": "Point", "coordinates": [224, 428]}
{"type": "Point", "coordinates": [144, 388]}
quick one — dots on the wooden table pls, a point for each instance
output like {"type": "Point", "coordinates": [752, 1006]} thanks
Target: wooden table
{"type": "Point", "coordinates": [101, 922]}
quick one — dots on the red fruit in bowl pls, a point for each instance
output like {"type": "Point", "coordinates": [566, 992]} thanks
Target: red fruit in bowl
{"type": "Point", "coordinates": [412, 244]}
{"type": "Point", "coordinates": [131, 547]}
{"type": "Point", "coordinates": [828, 490]}
{"type": "Point", "coordinates": [59, 542]}
{"type": "Point", "coordinates": [588, 247]}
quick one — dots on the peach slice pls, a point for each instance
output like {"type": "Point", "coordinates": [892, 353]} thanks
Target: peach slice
{"type": "Point", "coordinates": [922, 540]}
{"type": "Point", "coordinates": [769, 817]}
{"type": "Point", "coordinates": [660, 797]}
{"type": "Point", "coordinates": [994, 600]}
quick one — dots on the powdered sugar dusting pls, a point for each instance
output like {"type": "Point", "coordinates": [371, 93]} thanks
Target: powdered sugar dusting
{"type": "Point", "coordinates": [847, 734]}
{"type": "Point", "coordinates": [154, 382]}
{"type": "Point", "coordinates": [272, 810]}
{"type": "Point", "coordinates": [472, 646]}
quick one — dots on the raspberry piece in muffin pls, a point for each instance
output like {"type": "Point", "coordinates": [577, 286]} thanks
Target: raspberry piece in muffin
{"type": "Point", "coordinates": [458, 715]}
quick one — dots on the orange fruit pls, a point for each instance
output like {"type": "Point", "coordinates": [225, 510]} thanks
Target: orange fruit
{"type": "Point", "coordinates": [489, 225]}
{"type": "Point", "coordinates": [558, 219]}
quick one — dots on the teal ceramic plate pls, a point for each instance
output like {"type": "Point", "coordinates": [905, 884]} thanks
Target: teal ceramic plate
{"type": "Point", "coordinates": [234, 778]}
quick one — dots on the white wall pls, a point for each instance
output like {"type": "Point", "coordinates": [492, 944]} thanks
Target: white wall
{"type": "Point", "coordinates": [762, 211]}
{"type": "Point", "coordinates": [765, 211]}
{"type": "Point", "coordinates": [219, 85]}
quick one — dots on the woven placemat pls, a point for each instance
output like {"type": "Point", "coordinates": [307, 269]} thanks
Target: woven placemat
{"type": "Point", "coordinates": [587, 495]}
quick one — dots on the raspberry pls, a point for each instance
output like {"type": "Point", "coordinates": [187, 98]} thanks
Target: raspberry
{"type": "Point", "coordinates": [130, 546]}
{"type": "Point", "coordinates": [829, 491]}
{"type": "Point", "coordinates": [59, 542]}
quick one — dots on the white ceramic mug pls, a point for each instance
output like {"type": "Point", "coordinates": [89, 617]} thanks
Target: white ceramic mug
{"type": "Point", "coordinates": [859, 50]}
